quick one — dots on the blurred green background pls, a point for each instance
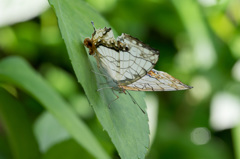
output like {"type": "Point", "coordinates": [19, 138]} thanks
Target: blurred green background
{"type": "Point", "coordinates": [199, 43]}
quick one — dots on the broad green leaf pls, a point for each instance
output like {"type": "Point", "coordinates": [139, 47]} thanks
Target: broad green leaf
{"type": "Point", "coordinates": [125, 123]}
{"type": "Point", "coordinates": [16, 71]}
{"type": "Point", "coordinates": [18, 128]}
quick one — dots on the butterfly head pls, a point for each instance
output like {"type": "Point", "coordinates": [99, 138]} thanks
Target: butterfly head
{"type": "Point", "coordinates": [90, 45]}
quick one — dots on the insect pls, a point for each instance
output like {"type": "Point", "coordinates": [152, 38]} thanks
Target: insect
{"type": "Point", "coordinates": [128, 63]}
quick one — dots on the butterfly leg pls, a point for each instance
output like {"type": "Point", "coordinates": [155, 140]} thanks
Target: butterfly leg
{"type": "Point", "coordinates": [135, 102]}
{"type": "Point", "coordinates": [109, 105]}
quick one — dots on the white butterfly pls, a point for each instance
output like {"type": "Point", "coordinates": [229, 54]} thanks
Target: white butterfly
{"type": "Point", "coordinates": [128, 63]}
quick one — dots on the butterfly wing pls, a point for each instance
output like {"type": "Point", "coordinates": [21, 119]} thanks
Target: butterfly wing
{"type": "Point", "coordinates": [127, 59]}
{"type": "Point", "coordinates": [136, 60]}
{"type": "Point", "coordinates": [157, 81]}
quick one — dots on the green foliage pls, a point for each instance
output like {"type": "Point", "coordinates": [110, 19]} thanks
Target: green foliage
{"type": "Point", "coordinates": [47, 102]}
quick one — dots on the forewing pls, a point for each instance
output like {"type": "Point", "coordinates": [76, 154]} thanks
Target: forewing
{"type": "Point", "coordinates": [157, 81]}
{"type": "Point", "coordinates": [140, 50]}
{"type": "Point", "coordinates": [137, 59]}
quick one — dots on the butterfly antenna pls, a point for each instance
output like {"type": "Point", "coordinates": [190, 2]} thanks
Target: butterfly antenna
{"type": "Point", "coordinates": [134, 101]}
{"type": "Point", "coordinates": [93, 25]}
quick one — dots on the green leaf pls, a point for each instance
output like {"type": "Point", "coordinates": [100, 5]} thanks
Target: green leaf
{"type": "Point", "coordinates": [19, 129]}
{"type": "Point", "coordinates": [125, 123]}
{"type": "Point", "coordinates": [16, 71]}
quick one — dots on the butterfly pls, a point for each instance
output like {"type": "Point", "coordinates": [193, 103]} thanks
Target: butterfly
{"type": "Point", "coordinates": [128, 63]}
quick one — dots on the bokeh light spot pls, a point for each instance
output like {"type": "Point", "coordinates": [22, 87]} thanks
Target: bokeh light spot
{"type": "Point", "coordinates": [200, 136]}
{"type": "Point", "coordinates": [202, 88]}
{"type": "Point", "coordinates": [225, 111]}
{"type": "Point", "coordinates": [205, 55]}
